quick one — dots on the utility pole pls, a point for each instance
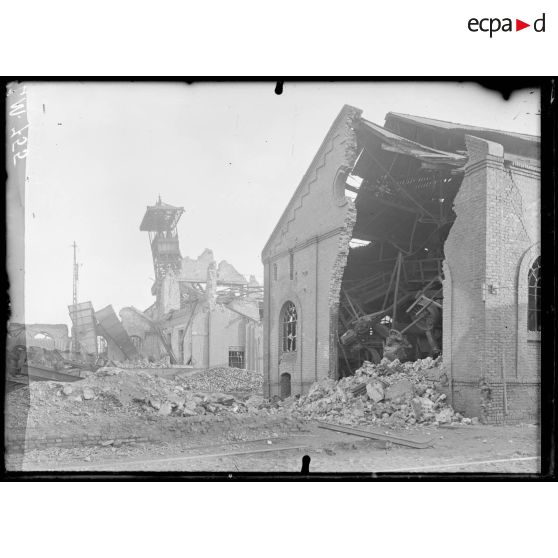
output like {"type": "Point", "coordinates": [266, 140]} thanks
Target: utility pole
{"type": "Point", "coordinates": [75, 340]}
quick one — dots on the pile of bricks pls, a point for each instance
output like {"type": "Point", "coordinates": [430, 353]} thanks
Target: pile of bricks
{"type": "Point", "coordinates": [391, 393]}
{"type": "Point", "coordinates": [225, 379]}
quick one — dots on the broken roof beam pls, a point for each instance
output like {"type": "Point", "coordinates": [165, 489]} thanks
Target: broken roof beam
{"type": "Point", "coordinates": [366, 283]}
{"type": "Point", "coordinates": [390, 141]}
{"type": "Point", "coordinates": [398, 186]}
{"type": "Point", "coordinates": [427, 160]}
{"type": "Point", "coordinates": [384, 201]}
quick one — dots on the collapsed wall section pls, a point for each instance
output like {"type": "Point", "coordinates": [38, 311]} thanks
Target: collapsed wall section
{"type": "Point", "coordinates": [338, 271]}
{"type": "Point", "coordinates": [390, 282]}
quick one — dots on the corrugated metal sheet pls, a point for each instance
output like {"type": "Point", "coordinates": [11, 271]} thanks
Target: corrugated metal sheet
{"type": "Point", "coordinates": [83, 319]}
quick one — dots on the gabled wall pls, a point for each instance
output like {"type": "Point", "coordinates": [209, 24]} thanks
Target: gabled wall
{"type": "Point", "coordinates": [312, 233]}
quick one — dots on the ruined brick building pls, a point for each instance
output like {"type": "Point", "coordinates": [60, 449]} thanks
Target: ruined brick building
{"type": "Point", "coordinates": [422, 233]}
{"type": "Point", "coordinates": [45, 336]}
{"type": "Point", "coordinates": [205, 314]}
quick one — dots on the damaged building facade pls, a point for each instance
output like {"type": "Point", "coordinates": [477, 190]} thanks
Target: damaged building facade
{"type": "Point", "coordinates": [412, 239]}
{"type": "Point", "coordinates": [204, 314]}
{"type": "Point", "coordinates": [47, 336]}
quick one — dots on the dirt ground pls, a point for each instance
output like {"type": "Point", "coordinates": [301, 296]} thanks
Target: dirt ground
{"type": "Point", "coordinates": [473, 448]}
{"type": "Point", "coordinates": [217, 420]}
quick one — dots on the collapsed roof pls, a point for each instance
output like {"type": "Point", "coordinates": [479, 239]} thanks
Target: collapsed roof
{"type": "Point", "coordinates": [450, 135]}
{"type": "Point", "coordinates": [403, 183]}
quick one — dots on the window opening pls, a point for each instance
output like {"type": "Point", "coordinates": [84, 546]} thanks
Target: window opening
{"type": "Point", "coordinates": [136, 341]}
{"type": "Point", "coordinates": [236, 357]}
{"type": "Point", "coordinates": [289, 327]}
{"type": "Point", "coordinates": [102, 345]}
{"type": "Point", "coordinates": [534, 302]}
{"type": "Point", "coordinates": [291, 265]}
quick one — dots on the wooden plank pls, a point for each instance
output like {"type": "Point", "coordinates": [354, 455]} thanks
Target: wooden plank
{"type": "Point", "coordinates": [38, 373]}
{"type": "Point", "coordinates": [375, 435]}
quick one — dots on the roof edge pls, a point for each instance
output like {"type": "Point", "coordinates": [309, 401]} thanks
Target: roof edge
{"type": "Point", "coordinates": [460, 126]}
{"type": "Point", "coordinates": [343, 114]}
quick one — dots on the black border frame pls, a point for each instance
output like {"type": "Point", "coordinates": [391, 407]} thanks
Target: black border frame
{"type": "Point", "coordinates": [549, 126]}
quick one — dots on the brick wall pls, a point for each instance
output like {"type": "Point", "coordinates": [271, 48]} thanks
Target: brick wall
{"type": "Point", "coordinates": [485, 291]}
{"type": "Point", "coordinates": [336, 279]}
{"type": "Point", "coordinates": [312, 232]}
{"type": "Point", "coordinates": [58, 333]}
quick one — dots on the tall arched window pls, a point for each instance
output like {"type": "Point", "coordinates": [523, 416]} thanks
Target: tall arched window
{"type": "Point", "coordinates": [534, 303]}
{"type": "Point", "coordinates": [136, 341]}
{"type": "Point", "coordinates": [289, 327]}
{"type": "Point", "coordinates": [102, 345]}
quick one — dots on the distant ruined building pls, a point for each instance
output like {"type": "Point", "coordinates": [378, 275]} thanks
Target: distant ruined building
{"type": "Point", "coordinates": [205, 314]}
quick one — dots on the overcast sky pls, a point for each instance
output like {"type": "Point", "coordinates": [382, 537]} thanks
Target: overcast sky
{"type": "Point", "coordinates": [230, 154]}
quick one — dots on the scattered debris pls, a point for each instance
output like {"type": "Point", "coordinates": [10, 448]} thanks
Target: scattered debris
{"type": "Point", "coordinates": [163, 362]}
{"type": "Point", "coordinates": [392, 393]}
{"type": "Point", "coordinates": [225, 379]}
{"type": "Point", "coordinates": [116, 392]}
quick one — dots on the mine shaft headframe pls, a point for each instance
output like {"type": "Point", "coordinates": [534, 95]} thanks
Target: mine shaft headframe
{"type": "Point", "coordinates": [161, 217]}
{"type": "Point", "coordinates": [160, 221]}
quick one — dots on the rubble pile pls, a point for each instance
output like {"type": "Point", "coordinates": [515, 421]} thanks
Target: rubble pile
{"type": "Point", "coordinates": [225, 379]}
{"type": "Point", "coordinates": [145, 363]}
{"type": "Point", "coordinates": [114, 392]}
{"type": "Point", "coordinates": [392, 393]}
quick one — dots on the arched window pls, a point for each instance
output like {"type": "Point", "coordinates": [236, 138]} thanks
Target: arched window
{"type": "Point", "coordinates": [42, 336]}
{"type": "Point", "coordinates": [44, 340]}
{"type": "Point", "coordinates": [534, 302]}
{"type": "Point", "coordinates": [289, 327]}
{"type": "Point", "coordinates": [102, 345]}
{"type": "Point", "coordinates": [136, 341]}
